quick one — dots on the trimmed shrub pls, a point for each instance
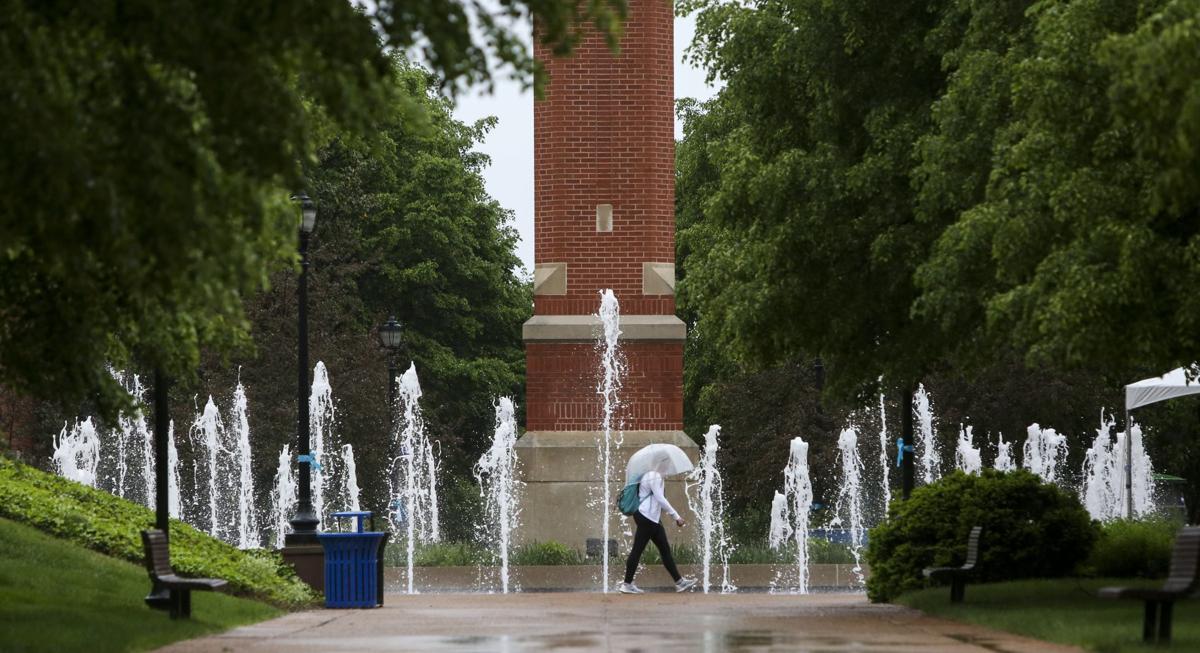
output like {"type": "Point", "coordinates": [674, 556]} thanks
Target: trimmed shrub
{"type": "Point", "coordinates": [546, 553]}
{"type": "Point", "coordinates": [111, 525]}
{"type": "Point", "coordinates": [1134, 549]}
{"type": "Point", "coordinates": [435, 554]}
{"type": "Point", "coordinates": [1031, 529]}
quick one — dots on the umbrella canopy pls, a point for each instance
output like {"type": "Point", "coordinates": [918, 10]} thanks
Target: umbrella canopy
{"type": "Point", "coordinates": [666, 459]}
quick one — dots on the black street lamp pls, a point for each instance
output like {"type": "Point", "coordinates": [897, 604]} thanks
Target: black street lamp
{"type": "Point", "coordinates": [389, 337]}
{"type": "Point", "coordinates": [304, 524]}
{"type": "Point", "coordinates": [160, 597]}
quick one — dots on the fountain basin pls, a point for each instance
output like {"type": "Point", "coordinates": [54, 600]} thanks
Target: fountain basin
{"type": "Point", "coordinates": [586, 578]}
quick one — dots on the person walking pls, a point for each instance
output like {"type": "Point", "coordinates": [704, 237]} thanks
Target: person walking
{"type": "Point", "coordinates": [649, 529]}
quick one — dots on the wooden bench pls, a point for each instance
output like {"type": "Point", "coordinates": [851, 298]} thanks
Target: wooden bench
{"type": "Point", "coordinates": [1182, 581]}
{"type": "Point", "coordinates": [158, 563]}
{"type": "Point", "coordinates": [958, 575]}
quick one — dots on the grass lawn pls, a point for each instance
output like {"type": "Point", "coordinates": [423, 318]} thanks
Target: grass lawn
{"type": "Point", "coordinates": [58, 596]}
{"type": "Point", "coordinates": [1061, 610]}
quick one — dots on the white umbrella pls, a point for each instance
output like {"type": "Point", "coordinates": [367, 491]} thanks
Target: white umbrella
{"type": "Point", "coordinates": [666, 459]}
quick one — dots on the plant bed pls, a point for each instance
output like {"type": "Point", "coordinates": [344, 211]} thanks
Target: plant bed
{"type": "Point", "coordinates": [111, 525]}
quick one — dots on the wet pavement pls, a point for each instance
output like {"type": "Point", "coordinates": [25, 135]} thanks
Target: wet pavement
{"type": "Point", "coordinates": [818, 623]}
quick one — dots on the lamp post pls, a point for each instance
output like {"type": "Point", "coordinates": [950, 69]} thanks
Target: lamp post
{"type": "Point", "coordinates": [389, 337]}
{"type": "Point", "coordinates": [160, 597]}
{"type": "Point", "coordinates": [304, 523]}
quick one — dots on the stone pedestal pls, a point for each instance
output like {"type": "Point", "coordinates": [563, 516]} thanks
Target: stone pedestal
{"type": "Point", "coordinates": [308, 560]}
{"type": "Point", "coordinates": [563, 488]}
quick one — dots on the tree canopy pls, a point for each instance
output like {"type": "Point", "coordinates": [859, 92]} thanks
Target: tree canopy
{"type": "Point", "coordinates": [405, 228]}
{"type": "Point", "coordinates": [151, 147]}
{"type": "Point", "coordinates": [887, 185]}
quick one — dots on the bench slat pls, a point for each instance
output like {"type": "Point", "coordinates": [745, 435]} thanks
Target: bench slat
{"type": "Point", "coordinates": [158, 564]}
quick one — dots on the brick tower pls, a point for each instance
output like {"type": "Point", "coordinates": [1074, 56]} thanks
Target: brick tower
{"type": "Point", "coordinates": [604, 217]}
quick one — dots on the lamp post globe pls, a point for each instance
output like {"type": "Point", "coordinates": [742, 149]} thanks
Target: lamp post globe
{"type": "Point", "coordinates": [308, 212]}
{"type": "Point", "coordinates": [390, 337]}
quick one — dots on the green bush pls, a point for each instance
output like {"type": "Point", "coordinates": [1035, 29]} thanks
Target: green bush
{"type": "Point", "coordinates": [438, 554]}
{"type": "Point", "coordinates": [1134, 548]}
{"type": "Point", "coordinates": [546, 553]}
{"type": "Point", "coordinates": [111, 525]}
{"type": "Point", "coordinates": [820, 552]}
{"type": "Point", "coordinates": [1031, 529]}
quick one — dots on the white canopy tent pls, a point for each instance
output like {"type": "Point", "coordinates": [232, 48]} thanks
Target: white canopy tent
{"type": "Point", "coordinates": [1160, 388]}
{"type": "Point", "coordinates": [1149, 391]}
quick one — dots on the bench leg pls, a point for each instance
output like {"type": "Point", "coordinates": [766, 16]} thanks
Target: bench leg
{"type": "Point", "coordinates": [957, 590]}
{"type": "Point", "coordinates": [176, 603]}
{"type": "Point", "coordinates": [1149, 622]}
{"type": "Point", "coordinates": [187, 603]}
{"type": "Point", "coordinates": [1164, 623]}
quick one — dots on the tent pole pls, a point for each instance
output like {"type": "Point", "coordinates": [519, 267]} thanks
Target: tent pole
{"type": "Point", "coordinates": [1128, 466]}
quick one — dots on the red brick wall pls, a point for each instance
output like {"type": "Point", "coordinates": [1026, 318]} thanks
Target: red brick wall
{"type": "Point", "coordinates": [604, 134]}
{"type": "Point", "coordinates": [562, 379]}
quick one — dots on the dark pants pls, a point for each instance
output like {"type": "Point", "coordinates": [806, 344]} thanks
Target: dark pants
{"type": "Point", "coordinates": [649, 531]}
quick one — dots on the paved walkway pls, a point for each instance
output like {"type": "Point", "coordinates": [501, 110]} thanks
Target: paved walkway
{"type": "Point", "coordinates": [818, 623]}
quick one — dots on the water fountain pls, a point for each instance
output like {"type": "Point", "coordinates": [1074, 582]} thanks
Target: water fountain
{"type": "Point", "coordinates": [1103, 489]}
{"type": "Point", "coordinates": [885, 486]}
{"type": "Point", "coordinates": [247, 516]}
{"type": "Point", "coordinates": [134, 444]}
{"type": "Point", "coordinates": [412, 480]}
{"type": "Point", "coordinates": [1043, 452]}
{"type": "Point", "coordinates": [849, 498]}
{"type": "Point", "coordinates": [708, 504]}
{"type": "Point", "coordinates": [283, 497]}
{"type": "Point", "coordinates": [1141, 470]}
{"type": "Point", "coordinates": [613, 371]}
{"type": "Point", "coordinates": [790, 516]}
{"type": "Point", "coordinates": [351, 495]}
{"type": "Point", "coordinates": [967, 456]}
{"type": "Point", "coordinates": [322, 421]}
{"type": "Point", "coordinates": [174, 501]}
{"type": "Point", "coordinates": [77, 452]}
{"type": "Point", "coordinates": [207, 480]}
{"type": "Point", "coordinates": [496, 473]}
{"type": "Point", "coordinates": [927, 444]}
{"type": "Point", "coordinates": [1004, 461]}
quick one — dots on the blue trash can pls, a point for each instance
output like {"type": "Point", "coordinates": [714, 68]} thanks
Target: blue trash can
{"type": "Point", "coordinates": [352, 566]}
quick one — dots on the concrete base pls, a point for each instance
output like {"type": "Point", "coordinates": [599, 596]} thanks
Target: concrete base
{"type": "Point", "coordinates": [309, 562]}
{"type": "Point", "coordinates": [563, 492]}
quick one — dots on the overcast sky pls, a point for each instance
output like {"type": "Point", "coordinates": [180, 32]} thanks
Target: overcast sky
{"type": "Point", "coordinates": [509, 179]}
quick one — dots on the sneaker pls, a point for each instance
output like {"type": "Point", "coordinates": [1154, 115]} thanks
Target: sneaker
{"type": "Point", "coordinates": [630, 588]}
{"type": "Point", "coordinates": [685, 584]}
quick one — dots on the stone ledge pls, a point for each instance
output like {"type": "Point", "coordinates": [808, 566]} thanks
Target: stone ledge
{"type": "Point", "coordinates": [587, 328]}
{"type": "Point", "coordinates": [535, 578]}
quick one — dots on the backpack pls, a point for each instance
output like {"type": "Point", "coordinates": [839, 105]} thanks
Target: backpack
{"type": "Point", "coordinates": [628, 500]}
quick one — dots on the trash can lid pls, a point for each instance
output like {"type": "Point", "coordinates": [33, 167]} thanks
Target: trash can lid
{"type": "Point", "coordinates": [357, 514]}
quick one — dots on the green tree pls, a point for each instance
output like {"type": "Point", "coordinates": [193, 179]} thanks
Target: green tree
{"type": "Point", "coordinates": [1083, 248]}
{"type": "Point", "coordinates": [405, 228]}
{"type": "Point", "coordinates": [802, 236]}
{"type": "Point", "coordinates": [890, 186]}
{"type": "Point", "coordinates": [150, 148]}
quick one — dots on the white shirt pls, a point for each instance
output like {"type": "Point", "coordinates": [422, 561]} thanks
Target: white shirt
{"type": "Point", "coordinates": [653, 501]}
